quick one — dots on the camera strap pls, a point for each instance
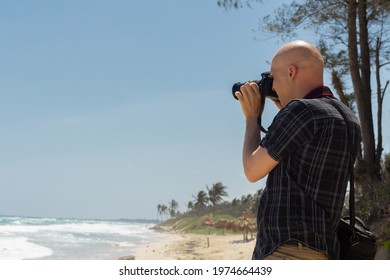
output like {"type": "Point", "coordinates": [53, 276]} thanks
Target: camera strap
{"type": "Point", "coordinates": [331, 101]}
{"type": "Point", "coordinates": [261, 127]}
{"type": "Point", "coordinates": [259, 117]}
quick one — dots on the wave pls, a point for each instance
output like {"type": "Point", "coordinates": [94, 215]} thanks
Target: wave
{"type": "Point", "coordinates": [51, 238]}
{"type": "Point", "coordinates": [19, 248]}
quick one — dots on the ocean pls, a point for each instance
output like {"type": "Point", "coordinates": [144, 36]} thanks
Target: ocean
{"type": "Point", "coordinates": [72, 239]}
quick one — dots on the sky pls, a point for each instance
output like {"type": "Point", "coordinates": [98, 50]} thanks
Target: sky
{"type": "Point", "coordinates": [109, 108]}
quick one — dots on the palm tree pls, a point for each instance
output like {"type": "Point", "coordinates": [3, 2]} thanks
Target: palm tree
{"type": "Point", "coordinates": [201, 200]}
{"type": "Point", "coordinates": [216, 194]}
{"type": "Point", "coordinates": [246, 200]}
{"type": "Point", "coordinates": [159, 212]}
{"type": "Point", "coordinates": [236, 202]}
{"type": "Point", "coordinates": [190, 205]}
{"type": "Point", "coordinates": [163, 210]}
{"type": "Point", "coordinates": [173, 205]}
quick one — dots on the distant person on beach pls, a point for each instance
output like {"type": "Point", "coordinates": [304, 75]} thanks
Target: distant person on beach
{"type": "Point", "coordinates": [305, 154]}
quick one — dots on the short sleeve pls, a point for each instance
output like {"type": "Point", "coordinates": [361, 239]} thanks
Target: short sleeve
{"type": "Point", "coordinates": [291, 128]}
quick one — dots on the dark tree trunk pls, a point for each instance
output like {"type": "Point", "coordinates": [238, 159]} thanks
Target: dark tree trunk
{"type": "Point", "coordinates": [361, 82]}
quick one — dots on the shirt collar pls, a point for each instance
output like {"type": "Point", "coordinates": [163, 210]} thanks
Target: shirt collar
{"type": "Point", "coordinates": [319, 92]}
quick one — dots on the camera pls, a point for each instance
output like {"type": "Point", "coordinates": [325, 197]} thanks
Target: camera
{"type": "Point", "coordinates": [265, 86]}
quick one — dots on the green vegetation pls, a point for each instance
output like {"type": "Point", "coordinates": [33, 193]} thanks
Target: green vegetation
{"type": "Point", "coordinates": [190, 223]}
{"type": "Point", "coordinates": [211, 206]}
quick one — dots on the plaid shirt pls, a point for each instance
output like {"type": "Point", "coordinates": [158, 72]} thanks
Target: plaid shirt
{"type": "Point", "coordinates": [305, 192]}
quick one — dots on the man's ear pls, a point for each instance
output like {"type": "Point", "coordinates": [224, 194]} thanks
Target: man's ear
{"type": "Point", "coordinates": [292, 71]}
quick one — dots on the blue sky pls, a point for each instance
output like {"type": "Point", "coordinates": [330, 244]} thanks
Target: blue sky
{"type": "Point", "coordinates": [109, 108]}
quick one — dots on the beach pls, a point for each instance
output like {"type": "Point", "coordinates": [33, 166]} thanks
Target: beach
{"type": "Point", "coordinates": [79, 239]}
{"type": "Point", "coordinates": [186, 246]}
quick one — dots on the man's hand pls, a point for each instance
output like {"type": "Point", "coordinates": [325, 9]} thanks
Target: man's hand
{"type": "Point", "coordinates": [250, 100]}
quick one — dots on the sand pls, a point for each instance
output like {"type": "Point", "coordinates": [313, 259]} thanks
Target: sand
{"type": "Point", "coordinates": [178, 246]}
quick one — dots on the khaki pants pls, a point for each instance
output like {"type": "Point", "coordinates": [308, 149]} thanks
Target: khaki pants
{"type": "Point", "coordinates": [295, 252]}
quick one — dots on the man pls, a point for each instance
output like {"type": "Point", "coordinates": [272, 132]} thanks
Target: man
{"type": "Point", "coordinates": [306, 155]}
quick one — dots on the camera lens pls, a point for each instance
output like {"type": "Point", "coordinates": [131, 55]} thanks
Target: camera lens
{"type": "Point", "coordinates": [236, 87]}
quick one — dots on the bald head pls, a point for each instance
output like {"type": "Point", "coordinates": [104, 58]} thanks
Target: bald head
{"type": "Point", "coordinates": [300, 66]}
{"type": "Point", "coordinates": [300, 53]}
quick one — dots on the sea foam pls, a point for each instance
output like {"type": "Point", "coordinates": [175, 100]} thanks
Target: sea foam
{"type": "Point", "coordinates": [19, 248]}
{"type": "Point", "coordinates": [51, 238]}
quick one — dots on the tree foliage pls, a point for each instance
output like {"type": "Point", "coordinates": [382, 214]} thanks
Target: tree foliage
{"type": "Point", "coordinates": [173, 206]}
{"type": "Point", "coordinates": [216, 194]}
{"type": "Point", "coordinates": [162, 210]}
{"type": "Point", "coordinates": [235, 4]}
{"type": "Point", "coordinates": [200, 200]}
{"type": "Point", "coordinates": [213, 200]}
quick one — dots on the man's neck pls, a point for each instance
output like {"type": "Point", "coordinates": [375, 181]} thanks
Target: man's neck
{"type": "Point", "coordinates": [318, 92]}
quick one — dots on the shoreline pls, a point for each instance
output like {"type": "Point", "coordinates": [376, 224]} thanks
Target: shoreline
{"type": "Point", "coordinates": [189, 246]}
